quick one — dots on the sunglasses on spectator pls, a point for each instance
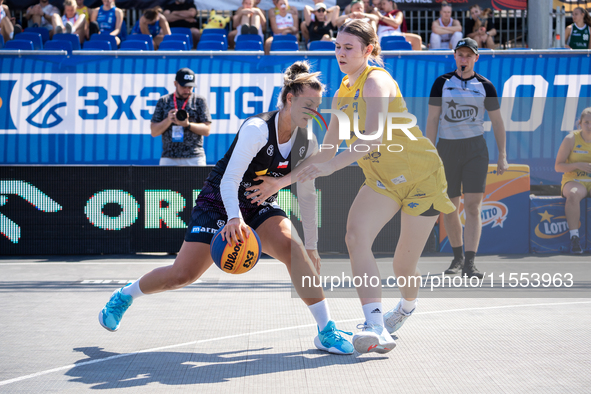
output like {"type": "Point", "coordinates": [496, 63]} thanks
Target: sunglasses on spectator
{"type": "Point", "coordinates": [321, 10]}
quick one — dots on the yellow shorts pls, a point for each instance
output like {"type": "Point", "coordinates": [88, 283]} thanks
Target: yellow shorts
{"type": "Point", "coordinates": [583, 183]}
{"type": "Point", "coordinates": [417, 198]}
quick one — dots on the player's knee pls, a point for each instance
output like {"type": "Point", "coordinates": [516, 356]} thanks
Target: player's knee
{"type": "Point", "coordinates": [472, 209]}
{"type": "Point", "coordinates": [354, 239]}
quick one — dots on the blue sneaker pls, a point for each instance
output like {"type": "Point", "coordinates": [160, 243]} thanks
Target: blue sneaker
{"type": "Point", "coordinates": [395, 318]}
{"type": "Point", "coordinates": [331, 341]}
{"type": "Point", "coordinates": [373, 338]}
{"type": "Point", "coordinates": [110, 316]}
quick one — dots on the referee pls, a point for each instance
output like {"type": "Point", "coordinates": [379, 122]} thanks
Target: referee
{"type": "Point", "coordinates": [456, 110]}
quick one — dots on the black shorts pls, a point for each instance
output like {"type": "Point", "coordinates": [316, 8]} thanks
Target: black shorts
{"type": "Point", "coordinates": [466, 164]}
{"type": "Point", "coordinates": [206, 222]}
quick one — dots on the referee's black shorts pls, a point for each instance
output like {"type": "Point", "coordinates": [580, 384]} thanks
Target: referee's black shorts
{"type": "Point", "coordinates": [466, 163]}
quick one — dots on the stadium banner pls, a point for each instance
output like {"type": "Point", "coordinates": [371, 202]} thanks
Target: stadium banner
{"type": "Point", "coordinates": [96, 110]}
{"type": "Point", "coordinates": [110, 209]}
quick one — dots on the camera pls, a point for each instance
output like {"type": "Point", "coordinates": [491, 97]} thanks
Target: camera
{"type": "Point", "coordinates": [181, 115]}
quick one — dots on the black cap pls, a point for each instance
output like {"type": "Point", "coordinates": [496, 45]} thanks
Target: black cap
{"type": "Point", "coordinates": [467, 43]}
{"type": "Point", "coordinates": [185, 77]}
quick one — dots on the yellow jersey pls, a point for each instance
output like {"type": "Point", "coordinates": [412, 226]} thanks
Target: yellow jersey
{"type": "Point", "coordinates": [83, 10]}
{"type": "Point", "coordinates": [400, 161]}
{"type": "Point", "coordinates": [581, 153]}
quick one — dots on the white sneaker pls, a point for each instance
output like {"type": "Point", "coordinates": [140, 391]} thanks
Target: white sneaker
{"type": "Point", "coordinates": [69, 27]}
{"type": "Point", "coordinates": [395, 318]}
{"type": "Point", "coordinates": [373, 338]}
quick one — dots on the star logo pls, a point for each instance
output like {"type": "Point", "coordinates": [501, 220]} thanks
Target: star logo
{"type": "Point", "coordinates": [579, 146]}
{"type": "Point", "coordinates": [452, 104]}
{"type": "Point", "coordinates": [545, 216]}
{"type": "Point", "coordinates": [413, 204]}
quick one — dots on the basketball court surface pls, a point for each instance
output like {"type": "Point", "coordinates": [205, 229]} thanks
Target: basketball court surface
{"type": "Point", "coordinates": [249, 334]}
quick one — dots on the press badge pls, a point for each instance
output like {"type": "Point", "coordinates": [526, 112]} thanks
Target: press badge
{"type": "Point", "coordinates": [177, 133]}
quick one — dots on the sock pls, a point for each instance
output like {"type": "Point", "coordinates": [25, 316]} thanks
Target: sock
{"type": "Point", "coordinates": [470, 255]}
{"type": "Point", "coordinates": [373, 313]}
{"type": "Point", "coordinates": [11, 35]}
{"type": "Point", "coordinates": [408, 306]}
{"type": "Point", "coordinates": [574, 233]}
{"type": "Point", "coordinates": [133, 290]}
{"type": "Point", "coordinates": [321, 314]}
{"type": "Point", "coordinates": [458, 253]}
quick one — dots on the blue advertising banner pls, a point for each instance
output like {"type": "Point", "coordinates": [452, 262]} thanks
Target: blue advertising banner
{"type": "Point", "coordinates": [96, 109]}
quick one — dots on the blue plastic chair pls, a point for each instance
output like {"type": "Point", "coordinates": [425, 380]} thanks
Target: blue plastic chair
{"type": "Point", "coordinates": [322, 46]}
{"type": "Point", "coordinates": [105, 37]}
{"type": "Point", "coordinates": [249, 46]}
{"type": "Point", "coordinates": [248, 37]}
{"type": "Point", "coordinates": [178, 37]}
{"type": "Point", "coordinates": [210, 46]}
{"type": "Point", "coordinates": [97, 45]}
{"type": "Point", "coordinates": [173, 46]}
{"type": "Point", "coordinates": [216, 37]}
{"type": "Point", "coordinates": [71, 37]}
{"type": "Point", "coordinates": [204, 33]}
{"type": "Point", "coordinates": [134, 46]}
{"type": "Point", "coordinates": [142, 37]}
{"type": "Point", "coordinates": [519, 49]}
{"type": "Point", "coordinates": [41, 30]}
{"type": "Point", "coordinates": [24, 45]}
{"type": "Point", "coordinates": [58, 45]}
{"type": "Point", "coordinates": [391, 39]}
{"type": "Point", "coordinates": [187, 31]}
{"type": "Point", "coordinates": [35, 38]}
{"type": "Point", "coordinates": [1, 42]}
{"type": "Point", "coordinates": [284, 37]}
{"type": "Point", "coordinates": [284, 45]}
{"type": "Point", "coordinates": [397, 46]}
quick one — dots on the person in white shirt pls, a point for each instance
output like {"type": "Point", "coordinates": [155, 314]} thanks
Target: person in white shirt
{"type": "Point", "coordinates": [40, 15]}
{"type": "Point", "coordinates": [70, 22]}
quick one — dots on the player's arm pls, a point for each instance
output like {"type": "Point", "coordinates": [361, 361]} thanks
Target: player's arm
{"type": "Point", "coordinates": [563, 152]}
{"type": "Point", "coordinates": [118, 23]}
{"type": "Point", "coordinates": [567, 33]}
{"type": "Point", "coordinates": [433, 122]}
{"type": "Point", "coordinates": [501, 137]}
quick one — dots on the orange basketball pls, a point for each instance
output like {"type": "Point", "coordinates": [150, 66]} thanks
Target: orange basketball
{"type": "Point", "coordinates": [236, 259]}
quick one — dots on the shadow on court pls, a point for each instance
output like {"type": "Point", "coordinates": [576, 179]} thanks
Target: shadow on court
{"type": "Point", "coordinates": [182, 368]}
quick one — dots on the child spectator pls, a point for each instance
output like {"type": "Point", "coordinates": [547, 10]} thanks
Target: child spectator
{"type": "Point", "coordinates": [283, 22]}
{"type": "Point", "coordinates": [70, 22]}
{"type": "Point", "coordinates": [248, 19]}
{"type": "Point", "coordinates": [153, 23]}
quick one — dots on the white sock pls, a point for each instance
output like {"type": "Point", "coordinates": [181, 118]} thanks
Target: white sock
{"type": "Point", "coordinates": [133, 290]}
{"type": "Point", "coordinates": [408, 306]}
{"type": "Point", "coordinates": [373, 313]}
{"type": "Point", "coordinates": [321, 314]}
{"type": "Point", "coordinates": [11, 35]}
{"type": "Point", "coordinates": [574, 232]}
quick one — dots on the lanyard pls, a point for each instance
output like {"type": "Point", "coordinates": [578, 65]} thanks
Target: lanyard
{"type": "Point", "coordinates": [184, 105]}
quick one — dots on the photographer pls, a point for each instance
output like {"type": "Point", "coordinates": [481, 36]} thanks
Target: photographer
{"type": "Point", "coordinates": [182, 119]}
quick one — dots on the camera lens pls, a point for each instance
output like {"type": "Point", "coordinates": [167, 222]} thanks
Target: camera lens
{"type": "Point", "coordinates": [181, 115]}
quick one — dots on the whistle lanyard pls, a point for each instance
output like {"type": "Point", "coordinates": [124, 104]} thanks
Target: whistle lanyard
{"type": "Point", "coordinates": [175, 106]}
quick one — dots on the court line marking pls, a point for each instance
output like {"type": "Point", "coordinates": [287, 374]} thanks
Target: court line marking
{"type": "Point", "coordinates": [85, 363]}
{"type": "Point", "coordinates": [105, 263]}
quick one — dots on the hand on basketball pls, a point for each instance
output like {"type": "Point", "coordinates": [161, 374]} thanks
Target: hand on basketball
{"type": "Point", "coordinates": [315, 171]}
{"type": "Point", "coordinates": [259, 193]}
{"type": "Point", "coordinates": [502, 165]}
{"type": "Point", "coordinates": [234, 231]}
{"type": "Point", "coordinates": [315, 257]}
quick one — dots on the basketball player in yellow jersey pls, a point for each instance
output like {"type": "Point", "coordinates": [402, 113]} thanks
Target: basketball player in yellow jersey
{"type": "Point", "coordinates": [574, 159]}
{"type": "Point", "coordinates": [403, 174]}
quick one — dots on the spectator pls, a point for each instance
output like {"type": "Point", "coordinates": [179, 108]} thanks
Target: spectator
{"type": "Point", "coordinates": [182, 13]}
{"type": "Point", "coordinates": [153, 23]}
{"type": "Point", "coordinates": [70, 22]}
{"type": "Point", "coordinates": [392, 23]}
{"type": "Point", "coordinates": [324, 22]}
{"type": "Point", "coordinates": [480, 28]}
{"type": "Point", "coordinates": [574, 160]}
{"type": "Point", "coordinates": [182, 119]}
{"type": "Point", "coordinates": [577, 35]}
{"type": "Point", "coordinates": [107, 19]}
{"type": "Point", "coordinates": [248, 19]}
{"type": "Point", "coordinates": [81, 9]}
{"type": "Point", "coordinates": [39, 15]}
{"type": "Point", "coordinates": [368, 7]}
{"type": "Point", "coordinates": [271, 12]}
{"type": "Point", "coordinates": [7, 29]}
{"type": "Point", "coordinates": [283, 22]}
{"type": "Point", "coordinates": [357, 8]}
{"type": "Point", "coordinates": [446, 31]}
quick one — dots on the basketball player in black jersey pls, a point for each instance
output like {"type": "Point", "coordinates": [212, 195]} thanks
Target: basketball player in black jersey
{"type": "Point", "coordinates": [267, 145]}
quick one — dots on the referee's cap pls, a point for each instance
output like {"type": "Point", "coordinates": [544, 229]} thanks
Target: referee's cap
{"type": "Point", "coordinates": [467, 43]}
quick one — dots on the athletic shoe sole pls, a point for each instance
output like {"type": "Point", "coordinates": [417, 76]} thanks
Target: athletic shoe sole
{"type": "Point", "coordinates": [103, 323]}
{"type": "Point", "coordinates": [368, 344]}
{"type": "Point", "coordinates": [332, 350]}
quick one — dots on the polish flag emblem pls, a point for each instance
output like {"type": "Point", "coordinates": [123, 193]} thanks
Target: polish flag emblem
{"type": "Point", "coordinates": [283, 164]}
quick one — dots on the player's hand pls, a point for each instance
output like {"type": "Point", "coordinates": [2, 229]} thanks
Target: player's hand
{"type": "Point", "coordinates": [502, 165]}
{"type": "Point", "coordinates": [584, 167]}
{"type": "Point", "coordinates": [315, 171]}
{"type": "Point", "coordinates": [259, 193]}
{"type": "Point", "coordinates": [234, 231]}
{"type": "Point", "coordinates": [315, 257]}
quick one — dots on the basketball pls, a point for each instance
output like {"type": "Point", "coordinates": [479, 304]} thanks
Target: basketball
{"type": "Point", "coordinates": [236, 259]}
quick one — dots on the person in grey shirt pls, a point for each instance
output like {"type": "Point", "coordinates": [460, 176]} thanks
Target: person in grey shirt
{"type": "Point", "coordinates": [182, 119]}
{"type": "Point", "coordinates": [456, 111]}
